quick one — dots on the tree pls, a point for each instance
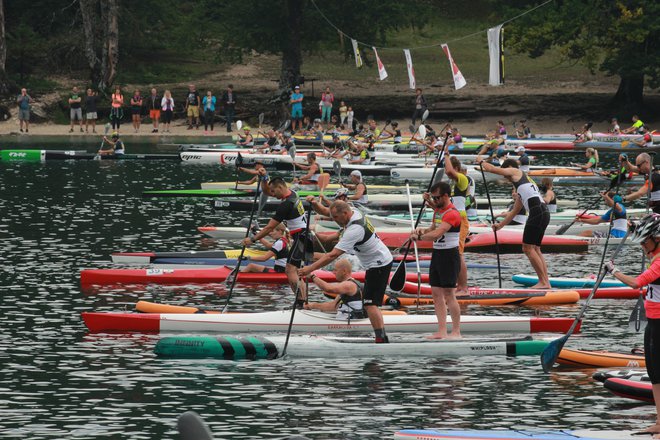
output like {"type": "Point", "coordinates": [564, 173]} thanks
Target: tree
{"type": "Point", "coordinates": [101, 29]}
{"type": "Point", "coordinates": [6, 86]}
{"type": "Point", "coordinates": [617, 37]}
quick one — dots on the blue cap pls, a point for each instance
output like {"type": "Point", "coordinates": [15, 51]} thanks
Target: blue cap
{"type": "Point", "coordinates": [617, 198]}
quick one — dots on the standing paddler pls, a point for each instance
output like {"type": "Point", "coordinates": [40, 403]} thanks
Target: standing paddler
{"type": "Point", "coordinates": [292, 213]}
{"type": "Point", "coordinates": [538, 216]}
{"type": "Point", "coordinates": [446, 261]}
{"type": "Point", "coordinates": [643, 165]}
{"type": "Point", "coordinates": [459, 197]}
{"type": "Point", "coordinates": [359, 237]}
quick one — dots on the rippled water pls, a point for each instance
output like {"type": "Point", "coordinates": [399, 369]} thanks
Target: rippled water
{"type": "Point", "coordinates": [59, 382]}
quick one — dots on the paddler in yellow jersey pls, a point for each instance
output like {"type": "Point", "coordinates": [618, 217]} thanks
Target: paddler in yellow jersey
{"type": "Point", "coordinates": [459, 197]}
{"type": "Point", "coordinates": [635, 127]}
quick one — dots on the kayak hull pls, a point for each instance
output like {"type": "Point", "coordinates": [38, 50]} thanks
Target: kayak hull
{"type": "Point", "coordinates": [599, 359]}
{"type": "Point", "coordinates": [426, 434]}
{"type": "Point", "coordinates": [566, 283]}
{"type": "Point", "coordinates": [631, 389]}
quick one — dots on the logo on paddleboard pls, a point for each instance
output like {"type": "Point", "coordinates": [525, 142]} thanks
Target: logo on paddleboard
{"type": "Point", "coordinates": [159, 271]}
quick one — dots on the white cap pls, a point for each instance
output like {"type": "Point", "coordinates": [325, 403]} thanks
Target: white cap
{"type": "Point", "coordinates": [356, 173]}
{"type": "Point", "coordinates": [520, 148]}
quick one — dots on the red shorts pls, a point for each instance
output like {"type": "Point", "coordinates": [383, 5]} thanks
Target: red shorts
{"type": "Point", "coordinates": [154, 114]}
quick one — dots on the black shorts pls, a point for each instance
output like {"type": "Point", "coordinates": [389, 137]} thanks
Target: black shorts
{"type": "Point", "coordinates": [375, 283]}
{"type": "Point", "coordinates": [444, 268]}
{"type": "Point", "coordinates": [537, 221]}
{"type": "Point", "coordinates": [652, 349]}
{"type": "Point", "coordinates": [301, 246]}
{"type": "Point", "coordinates": [276, 269]}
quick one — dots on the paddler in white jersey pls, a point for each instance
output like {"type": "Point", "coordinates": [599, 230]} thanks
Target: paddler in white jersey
{"type": "Point", "coordinates": [538, 216]}
{"type": "Point", "coordinates": [460, 186]}
{"type": "Point", "coordinates": [359, 237]}
{"type": "Point", "coordinates": [293, 215]}
{"type": "Point", "coordinates": [348, 302]}
{"type": "Point", "coordinates": [357, 185]}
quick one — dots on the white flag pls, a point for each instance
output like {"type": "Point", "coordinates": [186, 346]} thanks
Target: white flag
{"type": "Point", "coordinates": [382, 73]}
{"type": "Point", "coordinates": [459, 81]}
{"type": "Point", "coordinates": [356, 51]}
{"type": "Point", "coordinates": [411, 71]}
{"type": "Point", "coordinates": [496, 71]}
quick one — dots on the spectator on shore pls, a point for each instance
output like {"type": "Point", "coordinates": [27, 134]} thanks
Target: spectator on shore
{"type": "Point", "coordinates": [208, 104]}
{"type": "Point", "coordinates": [296, 108]}
{"type": "Point", "coordinates": [167, 105]}
{"type": "Point", "coordinates": [193, 103]}
{"type": "Point", "coordinates": [24, 101]}
{"type": "Point", "coordinates": [74, 109]}
{"type": "Point", "coordinates": [91, 112]}
{"type": "Point", "coordinates": [136, 109]}
{"type": "Point", "coordinates": [327, 99]}
{"type": "Point", "coordinates": [116, 109]}
{"type": "Point", "coordinates": [343, 112]}
{"type": "Point", "coordinates": [420, 105]}
{"type": "Point", "coordinates": [349, 119]}
{"type": "Point", "coordinates": [153, 104]}
{"type": "Point", "coordinates": [229, 101]}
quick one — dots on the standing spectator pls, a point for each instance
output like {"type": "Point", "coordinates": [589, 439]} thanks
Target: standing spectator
{"type": "Point", "coordinates": [296, 108]}
{"type": "Point", "coordinates": [167, 105]}
{"type": "Point", "coordinates": [193, 103]}
{"type": "Point", "coordinates": [420, 106]}
{"type": "Point", "coordinates": [327, 98]}
{"type": "Point", "coordinates": [349, 119]}
{"type": "Point", "coordinates": [229, 101]}
{"type": "Point", "coordinates": [116, 109]}
{"type": "Point", "coordinates": [153, 104]}
{"type": "Point", "coordinates": [75, 111]}
{"type": "Point", "coordinates": [91, 114]}
{"type": "Point", "coordinates": [209, 111]}
{"type": "Point", "coordinates": [343, 112]}
{"type": "Point", "coordinates": [136, 109]}
{"type": "Point", "coordinates": [24, 101]}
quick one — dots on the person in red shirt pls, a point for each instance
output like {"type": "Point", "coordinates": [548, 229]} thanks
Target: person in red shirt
{"type": "Point", "coordinates": [445, 265]}
{"type": "Point", "coordinates": [647, 234]}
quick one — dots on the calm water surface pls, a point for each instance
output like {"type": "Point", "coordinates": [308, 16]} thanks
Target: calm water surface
{"type": "Point", "coordinates": [57, 381]}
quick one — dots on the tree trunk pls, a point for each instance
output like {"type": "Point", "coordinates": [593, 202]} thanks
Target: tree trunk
{"type": "Point", "coordinates": [291, 54]}
{"type": "Point", "coordinates": [6, 86]}
{"type": "Point", "coordinates": [89, 10]}
{"type": "Point", "coordinates": [629, 97]}
{"type": "Point", "coordinates": [111, 43]}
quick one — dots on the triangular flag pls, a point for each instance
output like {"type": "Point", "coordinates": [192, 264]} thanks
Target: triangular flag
{"type": "Point", "coordinates": [459, 81]}
{"type": "Point", "coordinates": [411, 71]}
{"type": "Point", "coordinates": [382, 73]}
{"type": "Point", "coordinates": [356, 51]}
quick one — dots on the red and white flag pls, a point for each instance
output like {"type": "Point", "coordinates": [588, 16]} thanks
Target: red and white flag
{"type": "Point", "coordinates": [411, 71]}
{"type": "Point", "coordinates": [382, 73]}
{"type": "Point", "coordinates": [459, 80]}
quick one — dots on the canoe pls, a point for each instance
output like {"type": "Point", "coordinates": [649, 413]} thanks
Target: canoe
{"type": "Point", "coordinates": [428, 434]}
{"type": "Point", "coordinates": [308, 321]}
{"type": "Point", "coordinates": [330, 186]}
{"type": "Point", "coordinates": [566, 282]}
{"type": "Point", "coordinates": [44, 155]}
{"type": "Point", "coordinates": [314, 346]}
{"type": "Point", "coordinates": [599, 359]}
{"type": "Point", "coordinates": [195, 275]}
{"type": "Point", "coordinates": [492, 299]}
{"type": "Point", "coordinates": [631, 389]}
{"type": "Point", "coordinates": [638, 375]}
{"type": "Point", "coordinates": [601, 293]}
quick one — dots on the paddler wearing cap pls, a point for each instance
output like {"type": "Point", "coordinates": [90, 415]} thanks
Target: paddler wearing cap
{"type": "Point", "coordinates": [523, 159]}
{"type": "Point", "coordinates": [357, 185]}
{"type": "Point", "coordinates": [246, 139]}
{"type": "Point", "coordinates": [115, 144]}
{"type": "Point", "coordinates": [617, 210]}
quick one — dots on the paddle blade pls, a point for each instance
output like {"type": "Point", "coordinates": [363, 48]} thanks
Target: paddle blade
{"type": "Point", "coordinates": [239, 124]}
{"type": "Point", "coordinates": [637, 321]}
{"type": "Point", "coordinates": [286, 125]}
{"type": "Point", "coordinates": [399, 277]}
{"type": "Point", "coordinates": [239, 160]}
{"type": "Point", "coordinates": [422, 131]}
{"type": "Point", "coordinates": [261, 119]}
{"type": "Point", "coordinates": [336, 168]}
{"type": "Point", "coordinates": [230, 281]}
{"type": "Point", "coordinates": [563, 228]}
{"type": "Point", "coordinates": [551, 353]}
{"type": "Point", "coordinates": [411, 128]}
{"type": "Point", "coordinates": [106, 128]}
{"type": "Point", "coordinates": [263, 199]}
{"type": "Point", "coordinates": [192, 427]}
{"type": "Point", "coordinates": [292, 152]}
{"type": "Point", "coordinates": [425, 115]}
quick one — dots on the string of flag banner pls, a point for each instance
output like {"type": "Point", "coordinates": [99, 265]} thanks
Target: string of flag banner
{"type": "Point", "coordinates": [495, 52]}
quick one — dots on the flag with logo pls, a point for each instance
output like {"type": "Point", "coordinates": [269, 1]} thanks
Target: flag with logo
{"type": "Point", "coordinates": [356, 51]}
{"type": "Point", "coordinates": [459, 80]}
{"type": "Point", "coordinates": [411, 71]}
{"type": "Point", "coordinates": [382, 73]}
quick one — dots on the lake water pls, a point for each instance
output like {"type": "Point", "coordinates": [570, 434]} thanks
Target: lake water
{"type": "Point", "coordinates": [57, 381]}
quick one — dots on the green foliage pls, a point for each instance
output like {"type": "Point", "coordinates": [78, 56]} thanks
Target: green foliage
{"type": "Point", "coordinates": [619, 37]}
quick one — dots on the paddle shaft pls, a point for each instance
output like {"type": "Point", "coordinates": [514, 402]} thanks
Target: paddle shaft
{"type": "Point", "coordinates": [295, 300]}
{"type": "Point", "coordinates": [412, 224]}
{"type": "Point", "coordinates": [492, 215]}
{"type": "Point", "coordinates": [240, 258]}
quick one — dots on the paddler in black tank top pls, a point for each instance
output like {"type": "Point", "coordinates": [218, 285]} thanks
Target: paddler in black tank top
{"type": "Point", "coordinates": [348, 303]}
{"type": "Point", "coordinates": [314, 170]}
{"type": "Point", "coordinates": [643, 165]}
{"type": "Point", "coordinates": [538, 215]}
{"type": "Point", "coordinates": [292, 213]}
